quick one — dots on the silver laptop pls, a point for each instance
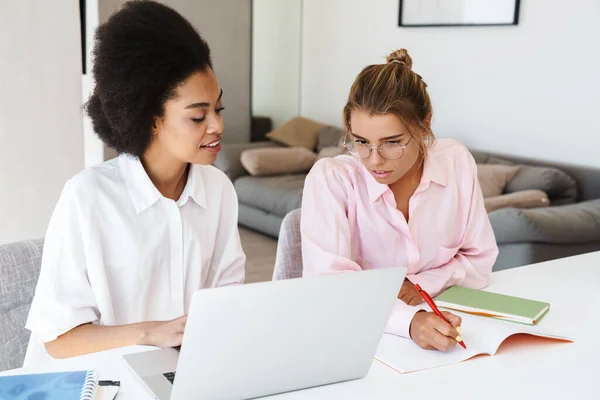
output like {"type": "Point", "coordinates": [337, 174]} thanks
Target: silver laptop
{"type": "Point", "coordinates": [255, 340]}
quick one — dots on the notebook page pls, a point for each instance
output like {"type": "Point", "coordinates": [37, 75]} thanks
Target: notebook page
{"type": "Point", "coordinates": [404, 355]}
{"type": "Point", "coordinates": [481, 335]}
{"type": "Point", "coordinates": [497, 331]}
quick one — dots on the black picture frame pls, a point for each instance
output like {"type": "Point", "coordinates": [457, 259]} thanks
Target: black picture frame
{"type": "Point", "coordinates": [402, 24]}
{"type": "Point", "coordinates": [82, 26]}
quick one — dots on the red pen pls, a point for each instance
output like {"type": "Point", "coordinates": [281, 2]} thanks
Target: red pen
{"type": "Point", "coordinates": [436, 311]}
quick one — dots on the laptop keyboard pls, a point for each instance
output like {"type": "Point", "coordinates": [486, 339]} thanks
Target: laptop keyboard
{"type": "Point", "coordinates": [170, 376]}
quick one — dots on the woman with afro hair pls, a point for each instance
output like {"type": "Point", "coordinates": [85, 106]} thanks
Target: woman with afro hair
{"type": "Point", "coordinates": [133, 238]}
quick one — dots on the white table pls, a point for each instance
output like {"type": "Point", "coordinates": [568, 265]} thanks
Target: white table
{"type": "Point", "coordinates": [524, 368]}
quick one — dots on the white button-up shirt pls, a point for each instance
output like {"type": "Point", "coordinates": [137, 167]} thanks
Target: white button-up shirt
{"type": "Point", "coordinates": [118, 252]}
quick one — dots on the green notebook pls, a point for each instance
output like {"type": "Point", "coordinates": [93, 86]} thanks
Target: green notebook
{"type": "Point", "coordinates": [508, 308]}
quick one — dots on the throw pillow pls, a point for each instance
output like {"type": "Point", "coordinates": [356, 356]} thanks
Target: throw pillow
{"type": "Point", "coordinates": [480, 157]}
{"type": "Point", "coordinates": [297, 132]}
{"type": "Point", "coordinates": [493, 178]}
{"type": "Point", "coordinates": [277, 161]}
{"type": "Point", "coordinates": [228, 159]}
{"type": "Point", "coordinates": [561, 187]}
{"type": "Point", "coordinates": [522, 199]}
{"type": "Point", "coordinates": [329, 136]}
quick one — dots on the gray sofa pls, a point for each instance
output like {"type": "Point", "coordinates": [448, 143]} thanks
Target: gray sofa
{"type": "Point", "coordinates": [19, 270]}
{"type": "Point", "coordinates": [570, 226]}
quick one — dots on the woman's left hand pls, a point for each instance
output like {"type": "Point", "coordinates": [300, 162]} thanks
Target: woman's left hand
{"type": "Point", "coordinates": [409, 294]}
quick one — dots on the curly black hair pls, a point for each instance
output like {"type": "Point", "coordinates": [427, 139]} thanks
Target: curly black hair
{"type": "Point", "coordinates": [141, 54]}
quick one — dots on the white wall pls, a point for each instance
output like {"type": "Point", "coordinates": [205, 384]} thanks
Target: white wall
{"type": "Point", "coordinates": [227, 27]}
{"type": "Point", "coordinates": [92, 145]}
{"type": "Point", "coordinates": [531, 89]}
{"type": "Point", "coordinates": [41, 142]}
{"type": "Point", "coordinates": [276, 40]}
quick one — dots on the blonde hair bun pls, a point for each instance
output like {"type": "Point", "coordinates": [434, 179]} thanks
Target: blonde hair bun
{"type": "Point", "coordinates": [401, 57]}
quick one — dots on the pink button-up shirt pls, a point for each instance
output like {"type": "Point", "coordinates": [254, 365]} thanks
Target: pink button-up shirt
{"type": "Point", "coordinates": [350, 222]}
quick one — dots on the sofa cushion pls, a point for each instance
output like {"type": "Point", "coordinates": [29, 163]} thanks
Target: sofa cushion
{"type": "Point", "coordinates": [480, 157]}
{"type": "Point", "coordinates": [330, 136]}
{"type": "Point", "coordinates": [573, 223]}
{"type": "Point", "coordinates": [560, 187]}
{"type": "Point", "coordinates": [494, 177]}
{"type": "Point", "coordinates": [513, 255]}
{"type": "Point", "coordinates": [228, 160]}
{"type": "Point", "coordinates": [274, 194]}
{"type": "Point", "coordinates": [492, 159]}
{"type": "Point", "coordinates": [19, 270]}
{"type": "Point", "coordinates": [277, 161]}
{"type": "Point", "coordinates": [297, 132]}
{"type": "Point", "coordinates": [522, 199]}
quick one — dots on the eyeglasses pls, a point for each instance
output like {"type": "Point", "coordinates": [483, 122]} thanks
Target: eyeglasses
{"type": "Point", "coordinates": [390, 150]}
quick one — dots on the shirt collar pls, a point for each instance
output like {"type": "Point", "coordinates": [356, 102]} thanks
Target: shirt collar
{"type": "Point", "coordinates": [374, 188]}
{"type": "Point", "coordinates": [144, 194]}
{"type": "Point", "coordinates": [431, 173]}
{"type": "Point", "coordinates": [194, 187]}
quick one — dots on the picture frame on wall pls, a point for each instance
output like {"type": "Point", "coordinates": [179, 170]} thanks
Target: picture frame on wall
{"type": "Point", "coordinates": [430, 13]}
{"type": "Point", "coordinates": [82, 27]}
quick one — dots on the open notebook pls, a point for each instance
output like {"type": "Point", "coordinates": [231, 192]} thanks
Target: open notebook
{"type": "Point", "coordinates": [75, 385]}
{"type": "Point", "coordinates": [481, 335]}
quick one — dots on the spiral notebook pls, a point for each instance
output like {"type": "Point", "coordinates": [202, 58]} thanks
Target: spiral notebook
{"type": "Point", "coordinates": [74, 385]}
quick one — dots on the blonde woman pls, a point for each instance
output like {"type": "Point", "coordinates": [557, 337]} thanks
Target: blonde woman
{"type": "Point", "coordinates": [401, 199]}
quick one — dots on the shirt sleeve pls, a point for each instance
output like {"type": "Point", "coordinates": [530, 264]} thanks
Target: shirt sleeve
{"type": "Point", "coordinates": [324, 225]}
{"type": "Point", "coordinates": [472, 265]}
{"type": "Point", "coordinates": [228, 259]}
{"type": "Point", "coordinates": [63, 298]}
{"type": "Point", "coordinates": [326, 235]}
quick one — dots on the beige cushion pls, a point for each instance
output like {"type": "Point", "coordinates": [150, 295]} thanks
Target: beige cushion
{"type": "Point", "coordinates": [277, 161]}
{"type": "Point", "coordinates": [493, 178]}
{"type": "Point", "coordinates": [522, 199]}
{"type": "Point", "coordinates": [297, 132]}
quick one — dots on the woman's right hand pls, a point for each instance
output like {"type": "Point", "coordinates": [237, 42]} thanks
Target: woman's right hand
{"type": "Point", "coordinates": [164, 334]}
{"type": "Point", "coordinates": [431, 332]}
